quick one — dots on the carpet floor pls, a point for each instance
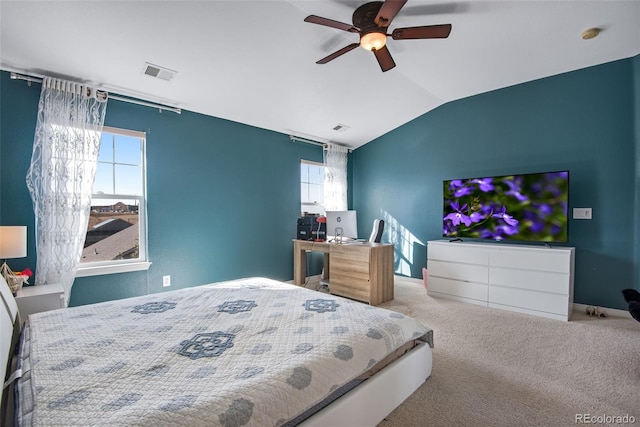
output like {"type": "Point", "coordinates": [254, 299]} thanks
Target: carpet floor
{"type": "Point", "coordinates": [493, 367]}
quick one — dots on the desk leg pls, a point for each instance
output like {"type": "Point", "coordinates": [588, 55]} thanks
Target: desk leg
{"type": "Point", "coordinates": [299, 266]}
{"type": "Point", "coordinates": [325, 271]}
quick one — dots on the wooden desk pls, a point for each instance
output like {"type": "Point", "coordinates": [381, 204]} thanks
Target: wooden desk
{"type": "Point", "coordinates": [359, 271]}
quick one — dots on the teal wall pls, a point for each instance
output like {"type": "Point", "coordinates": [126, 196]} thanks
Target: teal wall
{"type": "Point", "coordinates": [581, 121]}
{"type": "Point", "coordinates": [223, 197]}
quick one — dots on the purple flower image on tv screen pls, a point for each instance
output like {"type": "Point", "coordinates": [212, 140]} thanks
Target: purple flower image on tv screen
{"type": "Point", "coordinates": [531, 207]}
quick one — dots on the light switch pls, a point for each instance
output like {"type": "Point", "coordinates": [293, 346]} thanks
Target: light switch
{"type": "Point", "coordinates": [581, 213]}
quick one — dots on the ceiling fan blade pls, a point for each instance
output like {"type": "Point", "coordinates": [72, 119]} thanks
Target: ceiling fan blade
{"type": "Point", "coordinates": [384, 58]}
{"type": "Point", "coordinates": [331, 23]}
{"type": "Point", "coordinates": [340, 52]}
{"type": "Point", "coordinates": [426, 32]}
{"type": "Point", "coordinates": [388, 11]}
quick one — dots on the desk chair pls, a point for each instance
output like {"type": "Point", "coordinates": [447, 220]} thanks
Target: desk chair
{"type": "Point", "coordinates": [632, 297]}
{"type": "Point", "coordinates": [376, 233]}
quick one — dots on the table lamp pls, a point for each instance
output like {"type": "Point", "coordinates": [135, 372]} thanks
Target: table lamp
{"type": "Point", "coordinates": [13, 244]}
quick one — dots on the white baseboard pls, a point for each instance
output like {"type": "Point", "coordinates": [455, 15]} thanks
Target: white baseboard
{"type": "Point", "coordinates": [582, 308]}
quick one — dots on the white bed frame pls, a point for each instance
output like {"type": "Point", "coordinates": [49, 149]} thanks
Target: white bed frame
{"type": "Point", "coordinates": [370, 402]}
{"type": "Point", "coordinates": [366, 405]}
{"type": "Point", "coordinates": [9, 320]}
{"type": "Point", "coordinates": [8, 317]}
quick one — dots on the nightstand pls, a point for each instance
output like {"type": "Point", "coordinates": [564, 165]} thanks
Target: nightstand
{"type": "Point", "coordinates": [34, 299]}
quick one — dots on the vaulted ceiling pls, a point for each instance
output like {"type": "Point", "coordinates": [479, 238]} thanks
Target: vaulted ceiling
{"type": "Point", "coordinates": [254, 61]}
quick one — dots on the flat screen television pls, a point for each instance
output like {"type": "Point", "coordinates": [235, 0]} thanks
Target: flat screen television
{"type": "Point", "coordinates": [530, 207]}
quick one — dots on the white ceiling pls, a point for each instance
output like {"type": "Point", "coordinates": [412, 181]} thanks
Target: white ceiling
{"type": "Point", "coordinates": [254, 61]}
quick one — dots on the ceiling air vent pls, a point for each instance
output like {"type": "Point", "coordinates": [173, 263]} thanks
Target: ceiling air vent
{"type": "Point", "coordinates": [158, 72]}
{"type": "Point", "coordinates": [340, 128]}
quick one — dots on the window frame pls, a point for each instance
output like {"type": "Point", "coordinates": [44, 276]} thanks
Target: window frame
{"type": "Point", "coordinates": [141, 263]}
{"type": "Point", "coordinates": [320, 205]}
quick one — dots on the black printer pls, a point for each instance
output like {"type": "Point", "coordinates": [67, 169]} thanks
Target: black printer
{"type": "Point", "coordinates": [309, 228]}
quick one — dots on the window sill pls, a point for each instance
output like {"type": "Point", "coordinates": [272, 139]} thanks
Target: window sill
{"type": "Point", "coordinates": [112, 269]}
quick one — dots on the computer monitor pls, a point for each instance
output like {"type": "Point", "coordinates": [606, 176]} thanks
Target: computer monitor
{"type": "Point", "coordinates": [347, 220]}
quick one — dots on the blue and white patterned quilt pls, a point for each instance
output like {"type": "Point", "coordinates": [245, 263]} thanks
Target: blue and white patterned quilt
{"type": "Point", "coordinates": [248, 352]}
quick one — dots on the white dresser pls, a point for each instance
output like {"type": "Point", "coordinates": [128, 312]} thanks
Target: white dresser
{"type": "Point", "coordinates": [529, 279]}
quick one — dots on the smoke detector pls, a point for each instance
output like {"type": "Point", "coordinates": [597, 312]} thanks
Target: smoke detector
{"type": "Point", "coordinates": [591, 33]}
{"type": "Point", "coordinates": [156, 71]}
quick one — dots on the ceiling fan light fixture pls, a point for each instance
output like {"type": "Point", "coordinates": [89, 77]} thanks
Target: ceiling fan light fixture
{"type": "Point", "coordinates": [373, 41]}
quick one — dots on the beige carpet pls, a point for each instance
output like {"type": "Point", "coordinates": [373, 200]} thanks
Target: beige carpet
{"type": "Point", "coordinates": [499, 368]}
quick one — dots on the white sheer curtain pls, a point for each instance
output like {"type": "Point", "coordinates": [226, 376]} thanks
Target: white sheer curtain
{"type": "Point", "coordinates": [335, 178]}
{"type": "Point", "coordinates": [61, 175]}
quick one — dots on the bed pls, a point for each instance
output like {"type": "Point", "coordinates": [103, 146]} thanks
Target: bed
{"type": "Point", "coordinates": [245, 352]}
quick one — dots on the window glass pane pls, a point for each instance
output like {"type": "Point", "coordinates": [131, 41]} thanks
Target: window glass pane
{"type": "Point", "coordinates": [304, 183]}
{"type": "Point", "coordinates": [104, 179]}
{"type": "Point", "coordinates": [316, 194]}
{"type": "Point", "coordinates": [113, 232]}
{"type": "Point", "coordinates": [311, 188]}
{"type": "Point", "coordinates": [106, 148]}
{"type": "Point", "coordinates": [316, 174]}
{"type": "Point", "coordinates": [128, 180]}
{"type": "Point", "coordinates": [127, 149]}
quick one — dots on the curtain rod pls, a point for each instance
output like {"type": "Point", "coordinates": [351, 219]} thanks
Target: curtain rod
{"type": "Point", "coordinates": [16, 76]}
{"type": "Point", "coordinates": [307, 141]}
{"type": "Point", "coordinates": [324, 145]}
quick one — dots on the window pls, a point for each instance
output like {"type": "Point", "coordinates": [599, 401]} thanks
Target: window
{"type": "Point", "coordinates": [311, 187]}
{"type": "Point", "coordinates": [116, 238]}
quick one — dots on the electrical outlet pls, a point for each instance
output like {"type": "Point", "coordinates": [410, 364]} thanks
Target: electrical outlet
{"type": "Point", "coordinates": [581, 213]}
{"type": "Point", "coordinates": [166, 281]}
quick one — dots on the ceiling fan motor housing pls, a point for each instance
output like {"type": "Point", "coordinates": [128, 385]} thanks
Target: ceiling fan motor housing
{"type": "Point", "coordinates": [364, 18]}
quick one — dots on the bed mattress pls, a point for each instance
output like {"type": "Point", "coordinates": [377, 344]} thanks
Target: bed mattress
{"type": "Point", "coordinates": [247, 352]}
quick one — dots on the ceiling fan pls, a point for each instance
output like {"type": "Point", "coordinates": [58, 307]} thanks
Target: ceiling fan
{"type": "Point", "coordinates": [371, 21]}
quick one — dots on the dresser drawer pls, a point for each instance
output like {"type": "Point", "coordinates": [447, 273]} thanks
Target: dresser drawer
{"type": "Point", "coordinates": [555, 260]}
{"type": "Point", "coordinates": [350, 290]}
{"type": "Point", "coordinates": [532, 300]}
{"type": "Point", "coordinates": [457, 252]}
{"type": "Point", "coordinates": [457, 288]}
{"type": "Point", "coordinates": [463, 272]}
{"type": "Point", "coordinates": [543, 281]}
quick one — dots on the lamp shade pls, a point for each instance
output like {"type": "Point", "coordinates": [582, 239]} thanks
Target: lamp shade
{"type": "Point", "coordinates": [373, 41]}
{"type": "Point", "coordinates": [13, 242]}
